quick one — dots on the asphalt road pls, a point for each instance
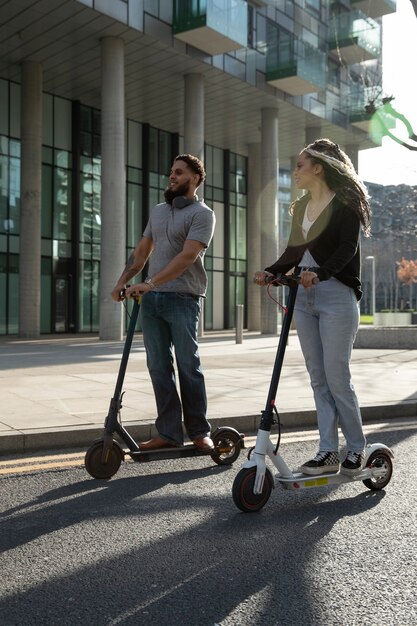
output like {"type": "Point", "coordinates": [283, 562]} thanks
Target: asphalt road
{"type": "Point", "coordinates": [162, 543]}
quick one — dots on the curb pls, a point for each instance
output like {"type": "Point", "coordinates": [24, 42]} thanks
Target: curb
{"type": "Point", "coordinates": [20, 442]}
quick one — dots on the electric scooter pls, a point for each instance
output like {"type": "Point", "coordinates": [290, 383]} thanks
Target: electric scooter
{"type": "Point", "coordinates": [105, 455]}
{"type": "Point", "coordinates": [253, 484]}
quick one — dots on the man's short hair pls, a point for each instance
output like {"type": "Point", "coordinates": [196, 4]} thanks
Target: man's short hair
{"type": "Point", "coordinates": [194, 164]}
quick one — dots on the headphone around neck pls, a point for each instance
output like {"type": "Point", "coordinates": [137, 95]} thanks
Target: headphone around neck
{"type": "Point", "coordinates": [180, 202]}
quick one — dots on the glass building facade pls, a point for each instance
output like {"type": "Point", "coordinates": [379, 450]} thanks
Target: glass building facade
{"type": "Point", "coordinates": [317, 64]}
{"type": "Point", "coordinates": [71, 213]}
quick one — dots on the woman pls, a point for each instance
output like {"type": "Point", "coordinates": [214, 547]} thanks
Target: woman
{"type": "Point", "coordinates": [324, 249]}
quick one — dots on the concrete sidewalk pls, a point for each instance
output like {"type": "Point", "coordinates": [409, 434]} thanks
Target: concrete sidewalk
{"type": "Point", "coordinates": [55, 392]}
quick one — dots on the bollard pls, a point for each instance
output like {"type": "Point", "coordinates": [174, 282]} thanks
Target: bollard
{"type": "Point", "coordinates": [239, 323]}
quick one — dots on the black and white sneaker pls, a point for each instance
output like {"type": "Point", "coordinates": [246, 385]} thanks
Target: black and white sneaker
{"type": "Point", "coordinates": [353, 463]}
{"type": "Point", "coordinates": [323, 463]}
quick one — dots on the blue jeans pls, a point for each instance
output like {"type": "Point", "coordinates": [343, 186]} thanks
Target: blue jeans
{"type": "Point", "coordinates": [169, 322]}
{"type": "Point", "coordinates": [327, 319]}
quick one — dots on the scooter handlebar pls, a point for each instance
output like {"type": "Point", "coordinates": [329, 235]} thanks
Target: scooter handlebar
{"type": "Point", "coordinates": [286, 280]}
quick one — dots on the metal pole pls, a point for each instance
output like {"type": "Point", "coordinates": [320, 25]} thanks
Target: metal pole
{"type": "Point", "coordinates": [239, 323]}
{"type": "Point", "coordinates": [373, 286]}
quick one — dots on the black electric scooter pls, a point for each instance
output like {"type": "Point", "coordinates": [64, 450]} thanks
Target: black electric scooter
{"type": "Point", "coordinates": [105, 455]}
{"type": "Point", "coordinates": [253, 484]}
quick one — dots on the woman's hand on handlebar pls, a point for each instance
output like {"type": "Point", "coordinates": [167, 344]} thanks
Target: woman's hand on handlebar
{"type": "Point", "coordinates": [263, 278]}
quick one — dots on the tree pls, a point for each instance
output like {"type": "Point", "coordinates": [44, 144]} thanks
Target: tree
{"type": "Point", "coordinates": [407, 274]}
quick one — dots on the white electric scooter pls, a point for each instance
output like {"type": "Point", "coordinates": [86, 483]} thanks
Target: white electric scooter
{"type": "Point", "coordinates": [253, 484]}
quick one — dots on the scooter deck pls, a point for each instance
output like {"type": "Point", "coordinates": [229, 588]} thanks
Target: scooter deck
{"type": "Point", "coordinates": [161, 454]}
{"type": "Point", "coordinates": [301, 481]}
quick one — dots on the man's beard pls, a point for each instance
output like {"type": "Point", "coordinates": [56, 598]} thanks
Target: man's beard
{"type": "Point", "coordinates": [181, 190]}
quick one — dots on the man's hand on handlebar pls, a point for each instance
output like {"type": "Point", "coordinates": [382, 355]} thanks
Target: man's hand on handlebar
{"type": "Point", "coordinates": [121, 292]}
{"type": "Point", "coordinates": [118, 293]}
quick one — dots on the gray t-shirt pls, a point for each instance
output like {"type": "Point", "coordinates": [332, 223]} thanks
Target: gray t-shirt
{"type": "Point", "coordinates": [169, 228]}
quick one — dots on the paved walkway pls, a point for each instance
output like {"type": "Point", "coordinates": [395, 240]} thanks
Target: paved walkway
{"type": "Point", "coordinates": [55, 391]}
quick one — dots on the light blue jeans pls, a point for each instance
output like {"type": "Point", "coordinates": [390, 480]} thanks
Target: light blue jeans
{"type": "Point", "coordinates": [169, 323]}
{"type": "Point", "coordinates": [327, 319]}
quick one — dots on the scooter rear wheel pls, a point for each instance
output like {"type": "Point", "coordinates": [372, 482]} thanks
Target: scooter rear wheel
{"type": "Point", "coordinates": [99, 468]}
{"type": "Point", "coordinates": [380, 459]}
{"type": "Point", "coordinates": [242, 492]}
{"type": "Point", "coordinates": [227, 446]}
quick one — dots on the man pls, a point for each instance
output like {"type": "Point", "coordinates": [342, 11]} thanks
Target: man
{"type": "Point", "coordinates": [175, 239]}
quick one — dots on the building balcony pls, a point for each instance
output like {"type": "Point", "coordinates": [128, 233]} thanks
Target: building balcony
{"type": "Point", "coordinates": [295, 67]}
{"type": "Point", "coordinates": [368, 114]}
{"type": "Point", "coordinates": [375, 8]}
{"type": "Point", "coordinates": [355, 37]}
{"type": "Point", "coordinates": [213, 26]}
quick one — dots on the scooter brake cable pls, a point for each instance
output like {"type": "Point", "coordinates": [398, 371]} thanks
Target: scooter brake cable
{"type": "Point", "coordinates": [279, 429]}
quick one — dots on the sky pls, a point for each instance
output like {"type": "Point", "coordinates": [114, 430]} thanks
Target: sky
{"type": "Point", "coordinates": [392, 164]}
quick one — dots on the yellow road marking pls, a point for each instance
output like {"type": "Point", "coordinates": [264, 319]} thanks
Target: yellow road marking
{"type": "Point", "coordinates": [24, 469]}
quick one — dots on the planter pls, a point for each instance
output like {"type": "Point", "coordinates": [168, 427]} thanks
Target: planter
{"type": "Point", "coordinates": [392, 318]}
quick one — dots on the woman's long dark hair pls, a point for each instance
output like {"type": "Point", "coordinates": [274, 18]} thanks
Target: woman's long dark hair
{"type": "Point", "coordinates": [341, 177]}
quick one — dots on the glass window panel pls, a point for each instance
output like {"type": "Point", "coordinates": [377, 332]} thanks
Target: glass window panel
{"type": "Point", "coordinates": [218, 167]}
{"type": "Point", "coordinates": [86, 144]}
{"type": "Point", "coordinates": [62, 123]}
{"type": "Point", "coordinates": [134, 144]}
{"type": "Point", "coordinates": [85, 119]}
{"type": "Point", "coordinates": [3, 297]}
{"type": "Point", "coordinates": [153, 149]}
{"type": "Point", "coordinates": [218, 195]}
{"type": "Point", "coordinates": [14, 195]}
{"type": "Point", "coordinates": [153, 198]}
{"type": "Point", "coordinates": [46, 296]}
{"type": "Point", "coordinates": [46, 247]}
{"type": "Point", "coordinates": [14, 110]}
{"type": "Point", "coordinates": [96, 115]}
{"type": "Point", "coordinates": [134, 214]}
{"type": "Point", "coordinates": [241, 233]}
{"type": "Point", "coordinates": [208, 162]}
{"type": "Point", "coordinates": [62, 158]}
{"type": "Point", "coordinates": [64, 249]}
{"type": "Point", "coordinates": [134, 175]}
{"type": "Point", "coordinates": [14, 148]}
{"type": "Point", "coordinates": [47, 155]}
{"type": "Point", "coordinates": [4, 145]}
{"type": "Point", "coordinates": [14, 244]}
{"type": "Point", "coordinates": [164, 152]}
{"type": "Point", "coordinates": [153, 179]}
{"type": "Point", "coordinates": [47, 120]}
{"type": "Point", "coordinates": [5, 225]}
{"type": "Point", "coordinates": [4, 107]}
{"type": "Point", "coordinates": [97, 146]}
{"type": "Point", "coordinates": [46, 210]}
{"type": "Point", "coordinates": [62, 205]}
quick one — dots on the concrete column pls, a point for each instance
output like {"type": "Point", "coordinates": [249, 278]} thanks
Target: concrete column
{"type": "Point", "coordinates": [113, 185]}
{"type": "Point", "coordinates": [353, 154]}
{"type": "Point", "coordinates": [295, 192]}
{"type": "Point", "coordinates": [194, 135]}
{"type": "Point", "coordinates": [312, 133]}
{"type": "Point", "coordinates": [255, 294]}
{"type": "Point", "coordinates": [194, 115]}
{"type": "Point", "coordinates": [30, 209]}
{"type": "Point", "coordinates": [269, 210]}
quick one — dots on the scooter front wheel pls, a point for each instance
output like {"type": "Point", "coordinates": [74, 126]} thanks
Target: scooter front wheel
{"type": "Point", "coordinates": [100, 465]}
{"type": "Point", "coordinates": [242, 492]}
{"type": "Point", "coordinates": [382, 461]}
